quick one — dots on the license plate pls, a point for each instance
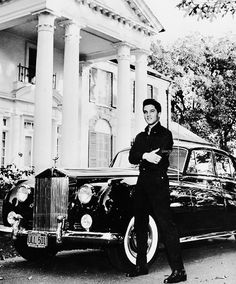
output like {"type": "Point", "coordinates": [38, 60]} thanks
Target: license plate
{"type": "Point", "coordinates": [37, 240]}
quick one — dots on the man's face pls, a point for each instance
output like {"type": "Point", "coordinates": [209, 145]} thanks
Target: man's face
{"type": "Point", "coordinates": [151, 115]}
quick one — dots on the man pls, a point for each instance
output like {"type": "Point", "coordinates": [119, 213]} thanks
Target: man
{"type": "Point", "coordinates": [151, 150]}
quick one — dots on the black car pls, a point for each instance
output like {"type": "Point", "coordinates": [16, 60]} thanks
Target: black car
{"type": "Point", "coordinates": [92, 208]}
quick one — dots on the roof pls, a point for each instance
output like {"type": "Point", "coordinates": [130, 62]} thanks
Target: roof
{"type": "Point", "coordinates": [137, 11]}
{"type": "Point", "coordinates": [134, 14]}
{"type": "Point", "coordinates": [182, 133]}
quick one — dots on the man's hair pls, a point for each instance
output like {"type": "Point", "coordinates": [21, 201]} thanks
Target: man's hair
{"type": "Point", "coordinates": [152, 102]}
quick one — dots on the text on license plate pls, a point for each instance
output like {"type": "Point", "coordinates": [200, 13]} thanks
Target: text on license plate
{"type": "Point", "coordinates": [37, 240]}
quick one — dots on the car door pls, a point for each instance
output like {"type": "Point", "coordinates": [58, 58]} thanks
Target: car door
{"type": "Point", "coordinates": [226, 171]}
{"type": "Point", "coordinates": [207, 197]}
{"type": "Point", "coordinates": [180, 192]}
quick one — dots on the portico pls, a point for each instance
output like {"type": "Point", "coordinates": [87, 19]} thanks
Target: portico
{"type": "Point", "coordinates": [86, 32]}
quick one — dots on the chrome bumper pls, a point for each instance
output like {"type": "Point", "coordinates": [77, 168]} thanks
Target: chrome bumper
{"type": "Point", "coordinates": [62, 236]}
{"type": "Point", "coordinates": [69, 237]}
{"type": "Point", "coordinates": [5, 230]}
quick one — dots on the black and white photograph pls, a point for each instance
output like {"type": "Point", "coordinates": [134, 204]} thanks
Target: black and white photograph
{"type": "Point", "coordinates": [117, 141]}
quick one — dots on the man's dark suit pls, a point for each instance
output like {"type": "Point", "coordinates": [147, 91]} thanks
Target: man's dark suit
{"type": "Point", "coordinates": [152, 194]}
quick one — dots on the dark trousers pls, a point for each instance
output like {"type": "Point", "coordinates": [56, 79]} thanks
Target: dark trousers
{"type": "Point", "coordinates": [152, 197]}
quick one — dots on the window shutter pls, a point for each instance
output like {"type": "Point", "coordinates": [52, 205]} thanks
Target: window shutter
{"type": "Point", "coordinates": [99, 149]}
{"type": "Point", "coordinates": [92, 149]}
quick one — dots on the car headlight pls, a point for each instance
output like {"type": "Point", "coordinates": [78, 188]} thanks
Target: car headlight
{"type": "Point", "coordinates": [85, 193]}
{"type": "Point", "coordinates": [22, 193]}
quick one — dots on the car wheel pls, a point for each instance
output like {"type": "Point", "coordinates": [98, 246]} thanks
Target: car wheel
{"type": "Point", "coordinates": [33, 254]}
{"type": "Point", "coordinates": [123, 257]}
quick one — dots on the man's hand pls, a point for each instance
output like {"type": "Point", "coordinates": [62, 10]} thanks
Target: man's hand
{"type": "Point", "coordinates": [152, 157]}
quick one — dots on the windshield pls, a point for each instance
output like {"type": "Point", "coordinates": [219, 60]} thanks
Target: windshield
{"type": "Point", "coordinates": [177, 159]}
{"type": "Point", "coordinates": [122, 160]}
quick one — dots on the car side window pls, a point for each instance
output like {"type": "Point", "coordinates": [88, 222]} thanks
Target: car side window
{"type": "Point", "coordinates": [200, 162]}
{"type": "Point", "coordinates": [224, 165]}
{"type": "Point", "coordinates": [177, 159]}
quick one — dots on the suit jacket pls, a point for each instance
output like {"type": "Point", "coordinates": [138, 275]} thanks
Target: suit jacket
{"type": "Point", "coordinates": [159, 137]}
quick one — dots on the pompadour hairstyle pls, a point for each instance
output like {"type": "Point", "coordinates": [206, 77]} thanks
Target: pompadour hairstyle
{"type": "Point", "coordinates": [152, 102]}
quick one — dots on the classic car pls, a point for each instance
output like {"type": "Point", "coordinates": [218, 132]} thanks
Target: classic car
{"type": "Point", "coordinates": [63, 209]}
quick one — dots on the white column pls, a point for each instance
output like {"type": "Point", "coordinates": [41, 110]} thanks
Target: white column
{"type": "Point", "coordinates": [124, 99]}
{"type": "Point", "coordinates": [70, 105]}
{"type": "Point", "coordinates": [43, 93]}
{"type": "Point", "coordinates": [22, 143]}
{"type": "Point", "coordinates": [168, 95]}
{"type": "Point", "coordinates": [54, 141]}
{"type": "Point", "coordinates": [140, 88]}
{"type": "Point", "coordinates": [1, 130]}
{"type": "Point", "coordinates": [16, 142]}
{"type": "Point", "coordinates": [85, 114]}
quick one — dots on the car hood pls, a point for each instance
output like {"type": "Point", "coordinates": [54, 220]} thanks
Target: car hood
{"type": "Point", "coordinates": [89, 172]}
{"type": "Point", "coordinates": [94, 172]}
{"type": "Point", "coordinates": [108, 172]}
{"type": "Point", "coordinates": [100, 172]}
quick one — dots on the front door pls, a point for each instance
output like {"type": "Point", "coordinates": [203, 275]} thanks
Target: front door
{"type": "Point", "coordinates": [32, 64]}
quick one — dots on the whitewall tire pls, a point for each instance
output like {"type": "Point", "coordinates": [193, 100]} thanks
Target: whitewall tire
{"type": "Point", "coordinates": [123, 257]}
{"type": "Point", "coordinates": [130, 241]}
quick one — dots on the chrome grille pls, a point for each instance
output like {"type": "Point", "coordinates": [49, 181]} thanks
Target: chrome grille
{"type": "Point", "coordinates": [50, 201]}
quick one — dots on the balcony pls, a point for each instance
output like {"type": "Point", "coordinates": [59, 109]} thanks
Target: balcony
{"type": "Point", "coordinates": [27, 75]}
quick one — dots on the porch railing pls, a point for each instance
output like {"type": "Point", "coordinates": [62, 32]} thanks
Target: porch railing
{"type": "Point", "coordinates": [27, 75]}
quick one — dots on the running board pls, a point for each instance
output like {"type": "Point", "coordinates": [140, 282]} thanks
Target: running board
{"type": "Point", "coordinates": [206, 236]}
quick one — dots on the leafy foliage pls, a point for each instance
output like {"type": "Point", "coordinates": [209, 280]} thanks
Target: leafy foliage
{"type": "Point", "coordinates": [204, 87]}
{"type": "Point", "coordinates": [209, 8]}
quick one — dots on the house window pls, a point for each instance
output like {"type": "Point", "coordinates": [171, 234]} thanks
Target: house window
{"type": "Point", "coordinates": [100, 145]}
{"type": "Point", "coordinates": [28, 124]}
{"type": "Point", "coordinates": [101, 87]}
{"type": "Point", "coordinates": [58, 150]}
{"type": "Point", "coordinates": [4, 121]}
{"type": "Point", "coordinates": [133, 96]}
{"type": "Point", "coordinates": [4, 141]}
{"type": "Point", "coordinates": [4, 146]}
{"type": "Point", "coordinates": [155, 93]}
{"type": "Point", "coordinates": [150, 91]}
{"type": "Point", "coordinates": [28, 151]}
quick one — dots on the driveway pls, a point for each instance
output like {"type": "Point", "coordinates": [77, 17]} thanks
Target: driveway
{"type": "Point", "coordinates": [206, 262]}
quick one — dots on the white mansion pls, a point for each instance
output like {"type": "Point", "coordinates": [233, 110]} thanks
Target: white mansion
{"type": "Point", "coordinates": [73, 75]}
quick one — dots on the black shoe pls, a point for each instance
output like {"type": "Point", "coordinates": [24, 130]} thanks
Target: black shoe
{"type": "Point", "coordinates": [137, 272]}
{"type": "Point", "coordinates": [176, 276]}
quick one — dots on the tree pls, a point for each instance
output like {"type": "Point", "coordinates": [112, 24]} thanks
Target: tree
{"type": "Point", "coordinates": [221, 95]}
{"type": "Point", "coordinates": [209, 8]}
{"type": "Point", "coordinates": [203, 89]}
